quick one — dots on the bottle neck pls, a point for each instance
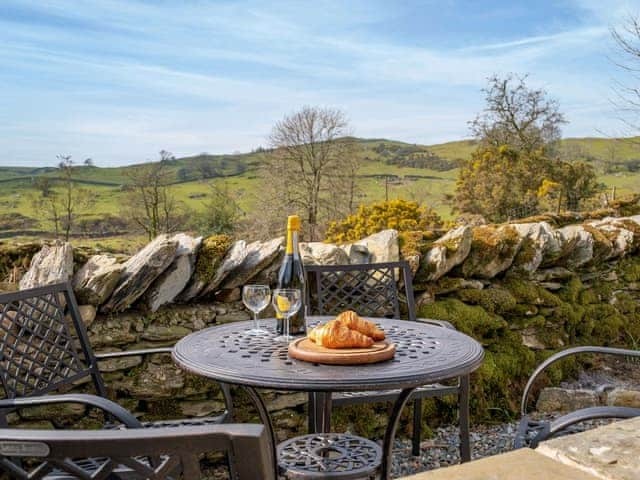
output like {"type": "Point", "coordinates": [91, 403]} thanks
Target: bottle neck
{"type": "Point", "coordinates": [292, 243]}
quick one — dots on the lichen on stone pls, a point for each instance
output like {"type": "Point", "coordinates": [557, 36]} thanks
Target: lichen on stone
{"type": "Point", "coordinates": [493, 249]}
{"type": "Point", "coordinates": [210, 255]}
{"type": "Point", "coordinates": [602, 242]}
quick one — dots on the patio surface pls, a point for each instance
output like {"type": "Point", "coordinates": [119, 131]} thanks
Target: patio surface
{"type": "Point", "coordinates": [611, 452]}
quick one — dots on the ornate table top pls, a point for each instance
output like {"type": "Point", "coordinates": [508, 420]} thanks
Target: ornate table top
{"type": "Point", "coordinates": [424, 354]}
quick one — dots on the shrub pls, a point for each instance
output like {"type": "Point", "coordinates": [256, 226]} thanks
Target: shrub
{"type": "Point", "coordinates": [401, 215]}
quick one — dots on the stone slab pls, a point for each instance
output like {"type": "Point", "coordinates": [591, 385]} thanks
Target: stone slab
{"type": "Point", "coordinates": [522, 464]}
{"type": "Point", "coordinates": [611, 452]}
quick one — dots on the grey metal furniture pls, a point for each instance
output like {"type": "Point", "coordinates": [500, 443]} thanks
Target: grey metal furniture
{"type": "Point", "coordinates": [374, 290]}
{"type": "Point", "coordinates": [329, 456]}
{"type": "Point", "coordinates": [531, 432]}
{"type": "Point", "coordinates": [44, 348]}
{"type": "Point", "coordinates": [425, 354]}
{"type": "Point", "coordinates": [131, 454]}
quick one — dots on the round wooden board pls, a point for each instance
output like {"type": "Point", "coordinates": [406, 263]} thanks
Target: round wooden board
{"type": "Point", "coordinates": [305, 349]}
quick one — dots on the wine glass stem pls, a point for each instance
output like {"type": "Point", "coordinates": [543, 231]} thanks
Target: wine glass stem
{"type": "Point", "coordinates": [255, 320]}
{"type": "Point", "coordinates": [286, 326]}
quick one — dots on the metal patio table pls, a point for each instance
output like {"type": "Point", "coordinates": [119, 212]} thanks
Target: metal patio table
{"type": "Point", "coordinates": [425, 354]}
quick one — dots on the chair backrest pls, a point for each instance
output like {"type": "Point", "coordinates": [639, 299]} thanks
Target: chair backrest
{"type": "Point", "coordinates": [136, 454]}
{"type": "Point", "coordinates": [43, 342]}
{"type": "Point", "coordinates": [371, 289]}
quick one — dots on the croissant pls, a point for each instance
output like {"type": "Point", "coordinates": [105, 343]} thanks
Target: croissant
{"type": "Point", "coordinates": [354, 322]}
{"type": "Point", "coordinates": [335, 334]}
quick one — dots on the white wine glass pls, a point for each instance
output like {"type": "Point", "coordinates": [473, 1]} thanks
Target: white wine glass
{"type": "Point", "coordinates": [286, 302]}
{"type": "Point", "coordinates": [256, 298]}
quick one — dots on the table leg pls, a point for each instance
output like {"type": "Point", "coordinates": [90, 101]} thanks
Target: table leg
{"type": "Point", "coordinates": [463, 401]}
{"type": "Point", "coordinates": [390, 433]}
{"type": "Point", "coordinates": [320, 412]}
{"type": "Point", "coordinates": [311, 408]}
{"type": "Point", "coordinates": [265, 418]}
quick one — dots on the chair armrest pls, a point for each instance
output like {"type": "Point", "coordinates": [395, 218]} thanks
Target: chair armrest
{"type": "Point", "coordinates": [437, 323]}
{"type": "Point", "coordinates": [566, 353]}
{"type": "Point", "coordinates": [104, 404]}
{"type": "Point", "coordinates": [129, 353]}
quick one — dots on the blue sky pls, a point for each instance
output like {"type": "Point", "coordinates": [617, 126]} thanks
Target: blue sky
{"type": "Point", "coordinates": [119, 80]}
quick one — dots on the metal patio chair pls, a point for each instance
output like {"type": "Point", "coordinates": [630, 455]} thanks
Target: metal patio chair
{"type": "Point", "coordinates": [44, 348]}
{"type": "Point", "coordinates": [131, 454]}
{"type": "Point", "coordinates": [531, 432]}
{"type": "Point", "coordinates": [374, 290]}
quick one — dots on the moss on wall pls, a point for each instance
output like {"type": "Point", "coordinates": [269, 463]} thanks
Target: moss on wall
{"type": "Point", "coordinates": [210, 255]}
{"type": "Point", "coordinates": [493, 300]}
{"type": "Point", "coordinates": [599, 310]}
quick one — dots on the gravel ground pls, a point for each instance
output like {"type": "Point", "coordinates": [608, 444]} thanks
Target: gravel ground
{"type": "Point", "coordinates": [443, 449]}
{"type": "Point", "coordinates": [439, 451]}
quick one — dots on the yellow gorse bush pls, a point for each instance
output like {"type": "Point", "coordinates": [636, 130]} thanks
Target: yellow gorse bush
{"type": "Point", "coordinates": [401, 215]}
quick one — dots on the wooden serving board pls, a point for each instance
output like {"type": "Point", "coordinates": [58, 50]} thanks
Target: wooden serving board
{"type": "Point", "coordinates": [305, 349]}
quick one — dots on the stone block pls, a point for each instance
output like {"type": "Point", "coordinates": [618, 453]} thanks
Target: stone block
{"type": "Point", "coordinates": [175, 278]}
{"type": "Point", "coordinates": [118, 364]}
{"type": "Point", "coordinates": [95, 281]}
{"type": "Point", "coordinates": [57, 411]}
{"type": "Point", "coordinates": [161, 333]}
{"type": "Point", "coordinates": [140, 271]}
{"type": "Point", "coordinates": [282, 400]}
{"type": "Point", "coordinates": [555, 399]}
{"type": "Point", "coordinates": [610, 452]}
{"type": "Point", "coordinates": [445, 253]}
{"type": "Point", "coordinates": [52, 264]}
{"type": "Point", "coordinates": [620, 397]}
{"type": "Point", "coordinates": [154, 382]}
{"type": "Point", "coordinates": [233, 316]}
{"type": "Point", "coordinates": [320, 253]}
{"type": "Point", "coordinates": [87, 314]}
{"type": "Point", "coordinates": [383, 246]}
{"type": "Point", "coordinates": [203, 408]}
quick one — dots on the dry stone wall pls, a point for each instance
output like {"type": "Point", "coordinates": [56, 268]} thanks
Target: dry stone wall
{"type": "Point", "coordinates": [523, 290]}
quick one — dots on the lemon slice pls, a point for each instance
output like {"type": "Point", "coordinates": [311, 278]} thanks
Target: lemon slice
{"type": "Point", "coordinates": [283, 304]}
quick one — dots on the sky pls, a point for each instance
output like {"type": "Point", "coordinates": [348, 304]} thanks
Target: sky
{"type": "Point", "coordinates": [120, 80]}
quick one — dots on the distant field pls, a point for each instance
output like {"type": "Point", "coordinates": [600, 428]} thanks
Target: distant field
{"type": "Point", "coordinates": [426, 185]}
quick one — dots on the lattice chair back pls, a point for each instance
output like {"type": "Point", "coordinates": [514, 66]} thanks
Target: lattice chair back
{"type": "Point", "coordinates": [43, 342]}
{"type": "Point", "coordinates": [127, 454]}
{"type": "Point", "coordinates": [372, 289]}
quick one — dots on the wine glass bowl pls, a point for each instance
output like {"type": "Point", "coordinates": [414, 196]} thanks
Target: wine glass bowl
{"type": "Point", "coordinates": [256, 298]}
{"type": "Point", "coordinates": [286, 302]}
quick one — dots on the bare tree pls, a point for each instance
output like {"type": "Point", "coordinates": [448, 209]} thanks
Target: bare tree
{"type": "Point", "coordinates": [312, 168]}
{"type": "Point", "coordinates": [64, 205]}
{"type": "Point", "coordinates": [517, 115]}
{"type": "Point", "coordinates": [74, 199]}
{"type": "Point", "coordinates": [627, 92]}
{"type": "Point", "coordinates": [48, 207]}
{"type": "Point", "coordinates": [151, 205]}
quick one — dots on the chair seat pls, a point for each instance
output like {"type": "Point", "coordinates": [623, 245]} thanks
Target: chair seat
{"type": "Point", "coordinates": [425, 391]}
{"type": "Point", "coordinates": [90, 466]}
{"type": "Point", "coordinates": [329, 456]}
{"type": "Point", "coordinates": [184, 422]}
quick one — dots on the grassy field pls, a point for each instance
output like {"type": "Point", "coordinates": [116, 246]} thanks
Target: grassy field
{"type": "Point", "coordinates": [380, 157]}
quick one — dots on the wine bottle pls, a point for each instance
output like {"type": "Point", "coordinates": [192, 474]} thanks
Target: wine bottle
{"type": "Point", "coordinates": [291, 275]}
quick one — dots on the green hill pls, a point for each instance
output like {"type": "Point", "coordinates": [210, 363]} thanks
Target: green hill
{"type": "Point", "coordinates": [421, 172]}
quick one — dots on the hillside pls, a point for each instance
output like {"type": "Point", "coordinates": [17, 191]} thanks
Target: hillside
{"type": "Point", "coordinates": [421, 172]}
